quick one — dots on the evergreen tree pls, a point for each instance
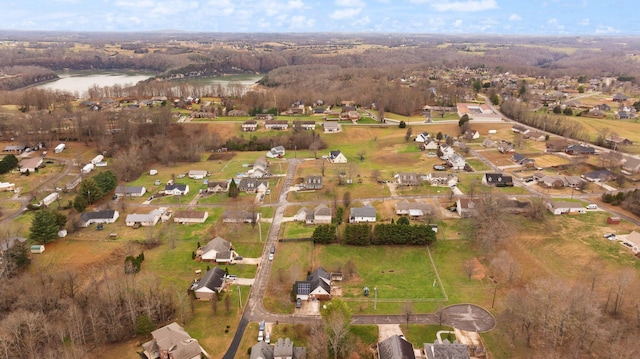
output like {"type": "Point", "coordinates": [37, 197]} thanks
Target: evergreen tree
{"type": "Point", "coordinates": [44, 227]}
{"type": "Point", "coordinates": [90, 190]}
{"type": "Point", "coordinates": [80, 204]}
{"type": "Point", "coordinates": [234, 191]}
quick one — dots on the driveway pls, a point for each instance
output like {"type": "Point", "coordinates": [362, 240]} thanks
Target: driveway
{"type": "Point", "coordinates": [244, 281]}
{"type": "Point", "coordinates": [388, 330]}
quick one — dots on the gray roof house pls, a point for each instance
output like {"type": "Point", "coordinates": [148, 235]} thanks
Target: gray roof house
{"type": "Point", "coordinates": [211, 282]}
{"type": "Point", "coordinates": [240, 216]}
{"type": "Point", "coordinates": [261, 350]}
{"type": "Point", "coordinates": [319, 215]}
{"type": "Point", "coordinates": [365, 213]}
{"type": "Point", "coordinates": [104, 216]}
{"type": "Point", "coordinates": [446, 350]}
{"type": "Point", "coordinates": [497, 179]}
{"type": "Point", "coordinates": [407, 179]}
{"type": "Point", "coordinates": [172, 341]}
{"type": "Point", "coordinates": [412, 209]}
{"type": "Point", "coordinates": [317, 286]}
{"type": "Point", "coordinates": [133, 191]}
{"type": "Point", "coordinates": [395, 347]}
{"type": "Point", "coordinates": [216, 250]}
{"type": "Point", "coordinates": [252, 185]}
{"type": "Point", "coordinates": [218, 186]}
{"type": "Point", "coordinates": [313, 182]}
{"type": "Point", "coordinates": [284, 349]}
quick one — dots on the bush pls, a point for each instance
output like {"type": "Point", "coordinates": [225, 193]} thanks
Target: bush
{"type": "Point", "coordinates": [402, 124]}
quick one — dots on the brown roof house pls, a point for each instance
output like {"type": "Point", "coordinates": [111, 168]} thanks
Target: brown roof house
{"type": "Point", "coordinates": [172, 341]}
{"type": "Point", "coordinates": [407, 179]}
{"type": "Point", "coordinates": [184, 217]}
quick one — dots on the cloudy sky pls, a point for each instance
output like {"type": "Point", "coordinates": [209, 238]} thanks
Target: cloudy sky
{"type": "Point", "coordinates": [545, 17]}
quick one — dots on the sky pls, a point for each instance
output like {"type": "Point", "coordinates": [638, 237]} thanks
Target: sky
{"type": "Point", "coordinates": [515, 17]}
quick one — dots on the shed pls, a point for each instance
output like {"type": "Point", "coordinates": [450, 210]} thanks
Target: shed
{"type": "Point", "coordinates": [37, 248]}
{"type": "Point", "coordinates": [613, 220]}
{"type": "Point", "coordinates": [59, 148]}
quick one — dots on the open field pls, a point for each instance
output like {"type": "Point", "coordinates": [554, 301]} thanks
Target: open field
{"type": "Point", "coordinates": [546, 161]}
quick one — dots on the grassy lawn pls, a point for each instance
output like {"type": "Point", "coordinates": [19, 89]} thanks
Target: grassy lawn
{"type": "Point", "coordinates": [477, 165]}
{"type": "Point", "coordinates": [296, 230]}
{"type": "Point", "coordinates": [418, 334]}
{"type": "Point", "coordinates": [291, 263]}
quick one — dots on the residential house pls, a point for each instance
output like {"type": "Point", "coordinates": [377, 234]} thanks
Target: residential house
{"type": "Point", "coordinates": [105, 216]}
{"type": "Point", "coordinates": [30, 164]}
{"type": "Point", "coordinates": [633, 239]}
{"type": "Point", "coordinates": [18, 149]}
{"type": "Point", "coordinates": [172, 341]}
{"type": "Point", "coordinates": [441, 179]}
{"type": "Point", "coordinates": [261, 350]}
{"type": "Point", "coordinates": [523, 160]}
{"type": "Point", "coordinates": [7, 186]}
{"type": "Point", "coordinates": [308, 125]}
{"type": "Point", "coordinates": [560, 207]}
{"type": "Point", "coordinates": [337, 157]}
{"type": "Point", "coordinates": [487, 142]}
{"type": "Point", "coordinates": [319, 111]}
{"type": "Point", "coordinates": [217, 250]}
{"type": "Point", "coordinates": [430, 144]}
{"type": "Point", "coordinates": [497, 179]}
{"type": "Point", "coordinates": [580, 150]}
{"type": "Point", "coordinates": [445, 151]}
{"type": "Point", "coordinates": [284, 349]}
{"type": "Point", "coordinates": [253, 185]}
{"type": "Point", "coordinates": [197, 174]}
{"type": "Point", "coordinates": [456, 162]}
{"type": "Point", "coordinates": [240, 216]}
{"type": "Point", "coordinates": [599, 176]}
{"type": "Point", "coordinates": [477, 111]}
{"type": "Point", "coordinates": [519, 129]}
{"type": "Point", "coordinates": [260, 168]}
{"type": "Point", "coordinates": [620, 97]}
{"type": "Point", "coordinates": [631, 164]}
{"type": "Point", "coordinates": [412, 209]}
{"type": "Point", "coordinates": [144, 220]}
{"type": "Point", "coordinates": [362, 214]}
{"type": "Point", "coordinates": [264, 116]}
{"type": "Point", "coordinates": [249, 126]}
{"type": "Point", "coordinates": [190, 216]}
{"type": "Point", "coordinates": [319, 215]}
{"type": "Point", "coordinates": [130, 191]}
{"type": "Point", "coordinates": [331, 127]}
{"type": "Point", "coordinates": [422, 137]}
{"type": "Point", "coordinates": [446, 350]}
{"type": "Point", "coordinates": [556, 145]}
{"type": "Point", "coordinates": [505, 147]}
{"type": "Point", "coordinates": [471, 134]}
{"type": "Point", "coordinates": [313, 182]}
{"type": "Point", "coordinates": [574, 181]}
{"type": "Point", "coordinates": [535, 136]}
{"type": "Point", "coordinates": [218, 186]}
{"type": "Point", "coordinates": [212, 282]}
{"type": "Point", "coordinates": [615, 141]}
{"type": "Point", "coordinates": [552, 181]}
{"type": "Point", "coordinates": [176, 189]}
{"type": "Point", "coordinates": [276, 152]}
{"type": "Point", "coordinates": [276, 125]}
{"type": "Point", "coordinates": [407, 179]}
{"type": "Point", "coordinates": [466, 207]}
{"type": "Point", "coordinates": [316, 287]}
{"type": "Point", "coordinates": [395, 347]}
{"type": "Point", "coordinates": [297, 108]}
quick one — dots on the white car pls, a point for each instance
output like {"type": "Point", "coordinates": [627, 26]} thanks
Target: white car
{"type": "Point", "coordinates": [610, 236]}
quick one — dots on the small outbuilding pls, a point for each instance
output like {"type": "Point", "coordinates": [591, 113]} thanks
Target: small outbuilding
{"type": "Point", "coordinates": [37, 248]}
{"type": "Point", "coordinates": [613, 220]}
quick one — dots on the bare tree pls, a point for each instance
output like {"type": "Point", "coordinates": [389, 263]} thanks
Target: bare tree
{"type": "Point", "coordinates": [407, 310]}
{"type": "Point", "coordinates": [469, 267]}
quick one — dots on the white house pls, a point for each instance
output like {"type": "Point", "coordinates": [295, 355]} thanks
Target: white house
{"type": "Point", "coordinates": [59, 148]}
{"type": "Point", "coordinates": [362, 214]}
{"type": "Point", "coordinates": [633, 239]}
{"type": "Point", "coordinates": [337, 157]}
{"type": "Point", "coordinates": [558, 207]}
{"type": "Point", "coordinates": [217, 250]}
{"type": "Point", "coordinates": [212, 282]}
{"type": "Point", "coordinates": [197, 174]}
{"type": "Point", "coordinates": [52, 197]}
{"type": "Point", "coordinates": [132, 191]}
{"type": "Point", "coordinates": [422, 137]}
{"type": "Point", "coordinates": [105, 216]}
{"type": "Point", "coordinates": [331, 127]}
{"type": "Point", "coordinates": [447, 150]}
{"type": "Point", "coordinates": [30, 164]}
{"type": "Point", "coordinates": [144, 220]}
{"type": "Point", "coordinates": [87, 168]}
{"type": "Point", "coordinates": [176, 189]}
{"type": "Point", "coordinates": [456, 161]}
{"type": "Point", "coordinates": [97, 159]}
{"type": "Point", "coordinates": [7, 186]}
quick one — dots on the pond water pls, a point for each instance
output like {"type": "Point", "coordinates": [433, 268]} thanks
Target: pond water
{"type": "Point", "coordinates": [80, 81]}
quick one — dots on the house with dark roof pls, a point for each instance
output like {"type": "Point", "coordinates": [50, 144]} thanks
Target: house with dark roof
{"type": "Point", "coordinates": [362, 214]}
{"type": "Point", "coordinates": [519, 129]}
{"type": "Point", "coordinates": [105, 216]}
{"type": "Point", "coordinates": [217, 250]}
{"type": "Point", "coordinates": [599, 176]}
{"type": "Point", "coordinates": [556, 145]}
{"type": "Point", "coordinates": [620, 97]}
{"type": "Point", "coordinates": [631, 164]}
{"type": "Point", "coordinates": [466, 207]}
{"type": "Point", "coordinates": [446, 350]}
{"type": "Point", "coordinates": [395, 347]}
{"type": "Point", "coordinates": [615, 141]}
{"type": "Point", "coordinates": [176, 189]}
{"type": "Point", "coordinates": [212, 282]}
{"type": "Point", "coordinates": [317, 286]}
{"type": "Point", "coordinates": [249, 126]}
{"type": "Point", "coordinates": [276, 125]}
{"type": "Point", "coordinates": [580, 150]}
{"type": "Point", "coordinates": [535, 136]}
{"type": "Point", "coordinates": [497, 179]}
{"type": "Point", "coordinates": [172, 341]}
{"type": "Point", "coordinates": [130, 191]}
{"type": "Point", "coordinates": [313, 182]}
{"type": "Point", "coordinates": [505, 147]}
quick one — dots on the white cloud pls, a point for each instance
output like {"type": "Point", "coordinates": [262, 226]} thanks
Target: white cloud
{"type": "Point", "coordinates": [457, 23]}
{"type": "Point", "coordinates": [465, 6]}
{"type": "Point", "coordinates": [350, 3]}
{"type": "Point", "coordinates": [515, 17]}
{"type": "Point", "coordinates": [135, 4]}
{"type": "Point", "coordinates": [299, 22]}
{"type": "Point", "coordinates": [604, 29]}
{"type": "Point", "coordinates": [295, 4]}
{"type": "Point", "coordinates": [345, 13]}
{"type": "Point", "coordinates": [584, 22]}
{"type": "Point", "coordinates": [363, 21]}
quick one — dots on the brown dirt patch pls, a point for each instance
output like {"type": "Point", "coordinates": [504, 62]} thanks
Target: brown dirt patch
{"type": "Point", "coordinates": [221, 156]}
{"type": "Point", "coordinates": [479, 270]}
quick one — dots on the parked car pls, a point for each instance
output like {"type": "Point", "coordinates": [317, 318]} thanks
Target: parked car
{"type": "Point", "coordinates": [270, 256]}
{"type": "Point", "coordinates": [610, 236]}
{"type": "Point", "coordinates": [100, 227]}
{"type": "Point", "coordinates": [592, 206]}
{"type": "Point", "coordinates": [298, 303]}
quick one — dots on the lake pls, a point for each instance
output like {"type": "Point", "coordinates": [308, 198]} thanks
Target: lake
{"type": "Point", "coordinates": [80, 81]}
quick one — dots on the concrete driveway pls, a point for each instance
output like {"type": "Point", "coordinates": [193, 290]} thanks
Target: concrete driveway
{"type": "Point", "coordinates": [388, 330]}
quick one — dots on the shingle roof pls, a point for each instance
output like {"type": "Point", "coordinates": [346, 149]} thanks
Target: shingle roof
{"type": "Point", "coordinates": [213, 279]}
{"type": "Point", "coordinates": [395, 347]}
{"type": "Point", "coordinates": [104, 214]}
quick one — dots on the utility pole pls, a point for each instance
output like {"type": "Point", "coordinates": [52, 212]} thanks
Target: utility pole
{"type": "Point", "coordinates": [239, 297]}
{"type": "Point", "coordinates": [260, 230]}
{"type": "Point", "coordinates": [375, 297]}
